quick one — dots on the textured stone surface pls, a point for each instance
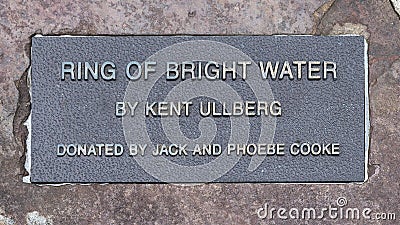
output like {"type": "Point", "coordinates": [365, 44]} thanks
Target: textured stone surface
{"type": "Point", "coordinates": [6, 221]}
{"type": "Point", "coordinates": [350, 28]}
{"type": "Point", "coordinates": [33, 218]}
{"type": "Point", "coordinates": [216, 203]}
{"type": "Point", "coordinates": [396, 5]}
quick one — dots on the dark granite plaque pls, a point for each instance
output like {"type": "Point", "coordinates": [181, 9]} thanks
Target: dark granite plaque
{"type": "Point", "coordinates": [192, 109]}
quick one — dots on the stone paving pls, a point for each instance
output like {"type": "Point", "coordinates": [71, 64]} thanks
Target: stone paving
{"type": "Point", "coordinates": [22, 203]}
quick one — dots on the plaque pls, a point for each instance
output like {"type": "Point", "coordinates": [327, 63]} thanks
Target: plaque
{"type": "Point", "coordinates": [195, 109]}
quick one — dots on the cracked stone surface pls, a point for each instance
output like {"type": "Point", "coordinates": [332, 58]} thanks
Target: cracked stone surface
{"type": "Point", "coordinates": [209, 203]}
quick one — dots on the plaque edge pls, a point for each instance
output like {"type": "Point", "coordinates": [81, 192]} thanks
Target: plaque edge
{"type": "Point", "coordinates": [27, 123]}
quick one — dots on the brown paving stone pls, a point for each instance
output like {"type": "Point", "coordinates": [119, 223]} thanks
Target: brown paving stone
{"type": "Point", "coordinates": [210, 203]}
